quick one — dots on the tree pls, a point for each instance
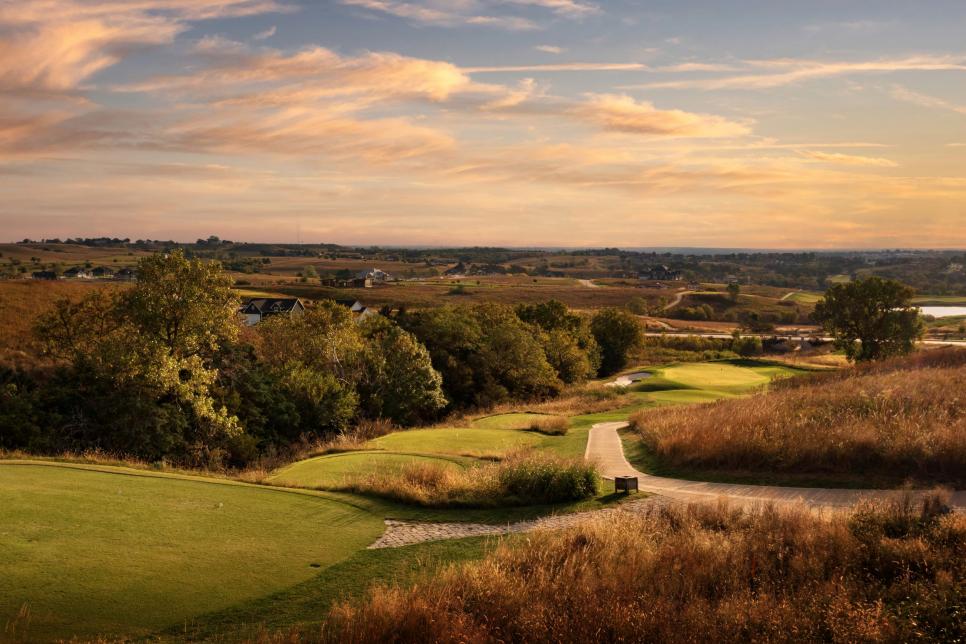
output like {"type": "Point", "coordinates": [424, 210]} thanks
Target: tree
{"type": "Point", "coordinates": [734, 290]}
{"type": "Point", "coordinates": [399, 382]}
{"type": "Point", "coordinates": [140, 373]}
{"type": "Point", "coordinates": [870, 319]}
{"type": "Point", "coordinates": [617, 332]}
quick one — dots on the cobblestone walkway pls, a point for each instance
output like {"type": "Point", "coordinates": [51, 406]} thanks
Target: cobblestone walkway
{"type": "Point", "coordinates": [406, 533]}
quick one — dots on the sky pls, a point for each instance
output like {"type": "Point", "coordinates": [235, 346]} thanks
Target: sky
{"type": "Point", "coordinates": [631, 123]}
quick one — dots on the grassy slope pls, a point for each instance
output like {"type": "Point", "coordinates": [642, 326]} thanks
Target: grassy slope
{"type": "Point", "coordinates": [305, 604]}
{"type": "Point", "coordinates": [332, 469]}
{"type": "Point", "coordinates": [108, 550]}
{"type": "Point", "coordinates": [456, 440]}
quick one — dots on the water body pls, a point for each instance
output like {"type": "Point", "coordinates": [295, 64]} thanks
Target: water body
{"type": "Point", "coordinates": [943, 311]}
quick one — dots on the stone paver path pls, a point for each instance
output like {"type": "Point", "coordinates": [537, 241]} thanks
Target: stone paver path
{"type": "Point", "coordinates": [406, 533]}
{"type": "Point", "coordinates": [604, 446]}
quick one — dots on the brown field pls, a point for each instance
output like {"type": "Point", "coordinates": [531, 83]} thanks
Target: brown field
{"type": "Point", "coordinates": [897, 421]}
{"type": "Point", "coordinates": [21, 301]}
{"type": "Point", "coordinates": [503, 289]}
{"type": "Point", "coordinates": [691, 574]}
{"type": "Point", "coordinates": [69, 255]}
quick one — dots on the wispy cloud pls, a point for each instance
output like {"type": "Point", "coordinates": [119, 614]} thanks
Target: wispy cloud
{"type": "Point", "coordinates": [848, 159]}
{"type": "Point", "coordinates": [486, 13]}
{"type": "Point", "coordinates": [549, 49]}
{"type": "Point", "coordinates": [265, 35]}
{"type": "Point", "coordinates": [784, 71]}
{"type": "Point", "coordinates": [557, 67]}
{"type": "Point", "coordinates": [621, 113]}
{"type": "Point", "coordinates": [909, 96]}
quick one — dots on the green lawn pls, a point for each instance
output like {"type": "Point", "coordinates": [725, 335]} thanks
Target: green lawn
{"type": "Point", "coordinates": [333, 469]}
{"type": "Point", "coordinates": [508, 421]}
{"type": "Point", "coordinates": [456, 441]}
{"type": "Point", "coordinates": [117, 551]}
{"type": "Point", "coordinates": [804, 297]}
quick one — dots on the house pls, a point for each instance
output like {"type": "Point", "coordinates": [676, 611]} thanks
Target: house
{"type": "Point", "coordinates": [254, 311]}
{"type": "Point", "coordinates": [360, 310]}
{"type": "Point", "coordinates": [661, 273]}
{"type": "Point", "coordinates": [374, 274]}
{"type": "Point", "coordinates": [103, 271]}
{"type": "Point", "coordinates": [128, 274]}
{"type": "Point", "coordinates": [78, 273]}
{"type": "Point", "coordinates": [44, 275]}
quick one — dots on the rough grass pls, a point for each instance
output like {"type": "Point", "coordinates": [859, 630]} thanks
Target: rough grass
{"type": "Point", "coordinates": [900, 420]}
{"type": "Point", "coordinates": [551, 425]}
{"type": "Point", "coordinates": [522, 478]}
{"type": "Point", "coordinates": [694, 574]}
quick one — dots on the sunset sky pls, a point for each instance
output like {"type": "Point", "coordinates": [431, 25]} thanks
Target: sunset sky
{"type": "Point", "coordinates": [753, 123]}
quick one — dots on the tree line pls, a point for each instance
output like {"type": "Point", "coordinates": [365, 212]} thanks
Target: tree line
{"type": "Point", "coordinates": [165, 369]}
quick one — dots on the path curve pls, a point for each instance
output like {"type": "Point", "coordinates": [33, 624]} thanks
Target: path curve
{"type": "Point", "coordinates": [605, 448]}
{"type": "Point", "coordinates": [588, 284]}
{"type": "Point", "coordinates": [677, 300]}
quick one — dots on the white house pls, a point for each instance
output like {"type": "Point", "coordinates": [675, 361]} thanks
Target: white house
{"type": "Point", "coordinates": [254, 311]}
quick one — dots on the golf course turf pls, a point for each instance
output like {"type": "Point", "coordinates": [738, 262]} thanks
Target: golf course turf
{"type": "Point", "coordinates": [114, 551]}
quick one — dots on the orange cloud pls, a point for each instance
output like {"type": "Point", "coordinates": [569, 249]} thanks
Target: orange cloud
{"type": "Point", "coordinates": [848, 159]}
{"type": "Point", "coordinates": [621, 113]}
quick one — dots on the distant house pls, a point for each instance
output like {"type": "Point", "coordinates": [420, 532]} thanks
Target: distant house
{"type": "Point", "coordinates": [126, 274]}
{"type": "Point", "coordinates": [44, 275]}
{"type": "Point", "coordinates": [103, 271]}
{"type": "Point", "coordinates": [356, 307]}
{"type": "Point", "coordinates": [77, 273]}
{"type": "Point", "coordinates": [455, 271]}
{"type": "Point", "coordinates": [661, 273]}
{"type": "Point", "coordinates": [375, 274]}
{"type": "Point", "coordinates": [256, 310]}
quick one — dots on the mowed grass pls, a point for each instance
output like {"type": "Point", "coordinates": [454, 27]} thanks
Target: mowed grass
{"type": "Point", "coordinates": [333, 469]}
{"type": "Point", "coordinates": [508, 421]}
{"type": "Point", "coordinates": [119, 552]}
{"type": "Point", "coordinates": [456, 441]}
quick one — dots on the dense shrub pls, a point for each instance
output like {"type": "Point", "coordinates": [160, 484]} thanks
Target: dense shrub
{"type": "Point", "coordinates": [522, 478]}
{"type": "Point", "coordinates": [691, 574]}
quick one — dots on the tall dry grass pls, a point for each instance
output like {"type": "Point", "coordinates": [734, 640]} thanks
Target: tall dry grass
{"type": "Point", "coordinates": [895, 421]}
{"type": "Point", "coordinates": [692, 574]}
{"type": "Point", "coordinates": [521, 478]}
{"type": "Point", "coordinates": [550, 425]}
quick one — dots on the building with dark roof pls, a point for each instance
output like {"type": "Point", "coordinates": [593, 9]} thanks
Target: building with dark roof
{"type": "Point", "coordinates": [256, 310]}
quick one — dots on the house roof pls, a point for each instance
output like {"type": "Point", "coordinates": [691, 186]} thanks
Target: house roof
{"type": "Point", "coordinates": [269, 306]}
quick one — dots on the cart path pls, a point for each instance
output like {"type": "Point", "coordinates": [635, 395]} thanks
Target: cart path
{"type": "Point", "coordinates": [605, 448]}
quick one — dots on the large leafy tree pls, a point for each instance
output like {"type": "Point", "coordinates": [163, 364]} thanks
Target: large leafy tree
{"type": "Point", "coordinates": [871, 318]}
{"type": "Point", "coordinates": [399, 382]}
{"type": "Point", "coordinates": [142, 359]}
{"type": "Point", "coordinates": [617, 332]}
{"type": "Point", "coordinates": [318, 359]}
{"type": "Point", "coordinates": [570, 347]}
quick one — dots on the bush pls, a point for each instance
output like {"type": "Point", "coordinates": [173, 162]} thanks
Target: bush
{"type": "Point", "coordinates": [522, 478]}
{"type": "Point", "coordinates": [550, 425]}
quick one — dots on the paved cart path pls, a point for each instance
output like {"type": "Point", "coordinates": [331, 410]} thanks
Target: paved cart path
{"type": "Point", "coordinates": [605, 448]}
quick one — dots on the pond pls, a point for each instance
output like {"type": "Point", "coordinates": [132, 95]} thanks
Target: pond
{"type": "Point", "coordinates": [943, 311]}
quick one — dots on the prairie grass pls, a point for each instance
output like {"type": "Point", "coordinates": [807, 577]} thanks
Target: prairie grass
{"type": "Point", "coordinates": [689, 574]}
{"type": "Point", "coordinates": [900, 420]}
{"type": "Point", "coordinates": [521, 478]}
{"type": "Point", "coordinates": [550, 425]}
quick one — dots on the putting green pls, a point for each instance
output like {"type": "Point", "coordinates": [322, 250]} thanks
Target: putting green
{"type": "Point", "coordinates": [118, 552]}
{"type": "Point", "coordinates": [508, 421]}
{"type": "Point", "coordinates": [720, 376]}
{"type": "Point", "coordinates": [333, 469]}
{"type": "Point", "coordinates": [457, 440]}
